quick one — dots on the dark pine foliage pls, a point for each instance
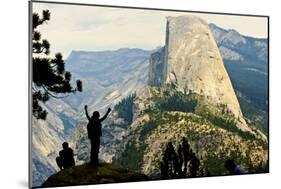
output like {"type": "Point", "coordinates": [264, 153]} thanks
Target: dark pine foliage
{"type": "Point", "coordinates": [180, 164]}
{"type": "Point", "coordinates": [177, 102]}
{"type": "Point", "coordinates": [49, 76]}
{"type": "Point", "coordinates": [125, 108]}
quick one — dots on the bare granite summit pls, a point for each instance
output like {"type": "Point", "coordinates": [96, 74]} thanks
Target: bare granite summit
{"type": "Point", "coordinates": [192, 63]}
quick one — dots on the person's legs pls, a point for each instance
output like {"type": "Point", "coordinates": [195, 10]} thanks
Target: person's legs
{"type": "Point", "coordinates": [59, 162]}
{"type": "Point", "coordinates": [92, 152]}
{"type": "Point", "coordinates": [95, 152]}
{"type": "Point", "coordinates": [95, 158]}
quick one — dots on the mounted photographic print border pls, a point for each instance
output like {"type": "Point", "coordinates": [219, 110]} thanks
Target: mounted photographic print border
{"type": "Point", "coordinates": [127, 94]}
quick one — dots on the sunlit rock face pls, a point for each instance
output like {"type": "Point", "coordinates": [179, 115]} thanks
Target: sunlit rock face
{"type": "Point", "coordinates": [192, 63]}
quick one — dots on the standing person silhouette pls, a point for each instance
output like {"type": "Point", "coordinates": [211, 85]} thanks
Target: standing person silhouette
{"type": "Point", "coordinates": [94, 133]}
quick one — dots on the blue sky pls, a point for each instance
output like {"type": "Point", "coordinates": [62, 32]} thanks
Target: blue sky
{"type": "Point", "coordinates": [98, 28]}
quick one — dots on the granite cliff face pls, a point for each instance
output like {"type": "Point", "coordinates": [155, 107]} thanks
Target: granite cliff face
{"type": "Point", "coordinates": [192, 63]}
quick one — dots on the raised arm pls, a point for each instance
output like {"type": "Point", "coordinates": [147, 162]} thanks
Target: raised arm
{"type": "Point", "coordinates": [86, 111]}
{"type": "Point", "coordinates": [105, 116]}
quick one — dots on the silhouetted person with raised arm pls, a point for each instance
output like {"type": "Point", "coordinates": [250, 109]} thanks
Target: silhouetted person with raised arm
{"type": "Point", "coordinates": [232, 167]}
{"type": "Point", "coordinates": [94, 133]}
{"type": "Point", "coordinates": [66, 157]}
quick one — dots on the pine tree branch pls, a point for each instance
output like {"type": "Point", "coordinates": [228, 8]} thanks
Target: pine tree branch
{"type": "Point", "coordinates": [33, 89]}
{"type": "Point", "coordinates": [38, 51]}
{"type": "Point", "coordinates": [53, 65]}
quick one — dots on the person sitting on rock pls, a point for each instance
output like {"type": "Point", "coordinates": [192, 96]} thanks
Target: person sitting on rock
{"type": "Point", "coordinates": [94, 133]}
{"type": "Point", "coordinates": [232, 167]}
{"type": "Point", "coordinates": [66, 157]}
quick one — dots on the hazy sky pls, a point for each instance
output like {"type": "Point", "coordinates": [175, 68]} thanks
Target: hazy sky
{"type": "Point", "coordinates": [101, 28]}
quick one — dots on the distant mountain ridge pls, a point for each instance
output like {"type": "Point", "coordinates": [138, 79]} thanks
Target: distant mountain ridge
{"type": "Point", "coordinates": [236, 48]}
{"type": "Point", "coordinates": [108, 76]}
{"type": "Point", "coordinates": [252, 50]}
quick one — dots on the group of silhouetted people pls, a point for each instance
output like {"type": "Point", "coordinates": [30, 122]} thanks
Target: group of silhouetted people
{"type": "Point", "coordinates": [66, 155]}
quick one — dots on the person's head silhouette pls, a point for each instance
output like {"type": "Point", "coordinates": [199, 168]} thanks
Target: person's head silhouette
{"type": "Point", "coordinates": [230, 166]}
{"type": "Point", "coordinates": [96, 115]}
{"type": "Point", "coordinates": [65, 145]}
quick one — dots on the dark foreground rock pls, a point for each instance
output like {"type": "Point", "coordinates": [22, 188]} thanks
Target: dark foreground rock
{"type": "Point", "coordinates": [88, 174]}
